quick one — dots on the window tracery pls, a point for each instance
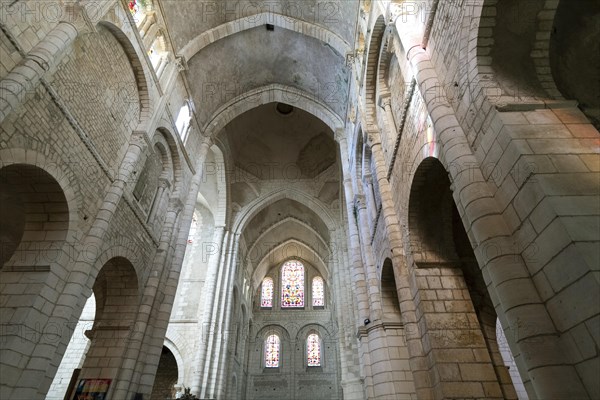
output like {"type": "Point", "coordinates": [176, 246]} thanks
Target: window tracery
{"type": "Point", "coordinates": [292, 284]}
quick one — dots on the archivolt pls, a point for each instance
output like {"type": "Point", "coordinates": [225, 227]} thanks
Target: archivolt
{"type": "Point", "coordinates": [252, 21]}
{"type": "Point", "coordinates": [269, 94]}
{"type": "Point", "coordinates": [287, 193]}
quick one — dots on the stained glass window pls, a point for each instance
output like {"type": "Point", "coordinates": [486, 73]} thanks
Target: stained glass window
{"type": "Point", "coordinates": [292, 284]}
{"type": "Point", "coordinates": [137, 8]}
{"type": "Point", "coordinates": [133, 7]}
{"type": "Point", "coordinates": [272, 352]}
{"type": "Point", "coordinates": [266, 294]}
{"type": "Point", "coordinates": [313, 350]}
{"type": "Point", "coordinates": [318, 292]}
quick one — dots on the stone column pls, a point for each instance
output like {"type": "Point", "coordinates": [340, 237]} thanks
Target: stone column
{"type": "Point", "coordinates": [391, 129]}
{"type": "Point", "coordinates": [214, 308]}
{"type": "Point", "coordinates": [405, 292]}
{"type": "Point", "coordinates": [205, 319]}
{"type": "Point", "coordinates": [225, 291]}
{"type": "Point", "coordinates": [163, 184]}
{"type": "Point", "coordinates": [367, 181]}
{"type": "Point", "coordinates": [358, 275]}
{"type": "Point", "coordinates": [224, 360]}
{"type": "Point", "coordinates": [47, 54]}
{"type": "Point", "coordinates": [65, 312]}
{"type": "Point", "coordinates": [140, 331]}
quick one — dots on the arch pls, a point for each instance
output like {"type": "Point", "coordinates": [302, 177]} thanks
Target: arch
{"type": "Point", "coordinates": [441, 250]}
{"type": "Point", "coordinates": [117, 294]}
{"type": "Point", "coordinates": [286, 193]}
{"type": "Point", "coordinates": [390, 303]}
{"type": "Point", "coordinates": [304, 330]}
{"type": "Point", "coordinates": [56, 168]}
{"type": "Point", "coordinates": [35, 215]}
{"type": "Point", "coordinates": [430, 214]}
{"type": "Point", "coordinates": [574, 51]}
{"type": "Point", "coordinates": [270, 94]}
{"type": "Point", "coordinates": [169, 344]}
{"type": "Point", "coordinates": [286, 220]}
{"type": "Point", "coordinates": [252, 21]}
{"type": "Point", "coordinates": [374, 51]}
{"type": "Point", "coordinates": [165, 134]}
{"type": "Point", "coordinates": [268, 260]}
{"type": "Point", "coordinates": [134, 58]}
{"type": "Point", "coordinates": [116, 290]}
{"type": "Point", "coordinates": [167, 376]}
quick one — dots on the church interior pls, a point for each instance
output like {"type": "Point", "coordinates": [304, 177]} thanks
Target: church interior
{"type": "Point", "coordinates": [306, 199]}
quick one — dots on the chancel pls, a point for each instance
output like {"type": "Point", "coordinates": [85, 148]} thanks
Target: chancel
{"type": "Point", "coordinates": [309, 199]}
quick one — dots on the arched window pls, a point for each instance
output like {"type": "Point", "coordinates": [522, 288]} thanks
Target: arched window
{"type": "Point", "coordinates": [318, 292]}
{"type": "Point", "coordinates": [137, 8]}
{"type": "Point", "coordinates": [292, 284]}
{"type": "Point", "coordinates": [155, 53]}
{"type": "Point", "coordinates": [183, 120]}
{"type": "Point", "coordinates": [313, 350]}
{"type": "Point", "coordinates": [193, 228]}
{"type": "Point", "coordinates": [272, 352]}
{"type": "Point", "coordinates": [266, 294]}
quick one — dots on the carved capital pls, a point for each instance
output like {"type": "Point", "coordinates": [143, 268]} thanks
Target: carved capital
{"type": "Point", "coordinates": [74, 13]}
{"type": "Point", "coordinates": [385, 101]}
{"type": "Point", "coordinates": [176, 204]}
{"type": "Point", "coordinates": [164, 183]}
{"type": "Point", "coordinates": [350, 59]}
{"type": "Point", "coordinates": [181, 63]}
{"type": "Point", "coordinates": [359, 201]}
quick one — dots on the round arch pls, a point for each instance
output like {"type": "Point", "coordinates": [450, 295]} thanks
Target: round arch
{"type": "Point", "coordinates": [373, 53]}
{"type": "Point", "coordinates": [164, 134]}
{"type": "Point", "coordinates": [169, 344]}
{"type": "Point", "coordinates": [281, 21]}
{"type": "Point", "coordinates": [134, 56]}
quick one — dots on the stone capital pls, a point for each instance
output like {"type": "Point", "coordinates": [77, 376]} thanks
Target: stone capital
{"type": "Point", "coordinates": [181, 63]}
{"type": "Point", "coordinates": [385, 101]}
{"type": "Point", "coordinates": [75, 14]}
{"type": "Point", "coordinates": [359, 201]}
{"type": "Point", "coordinates": [350, 59]}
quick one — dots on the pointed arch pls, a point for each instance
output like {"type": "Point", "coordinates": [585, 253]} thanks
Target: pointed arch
{"type": "Point", "coordinates": [270, 94]}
